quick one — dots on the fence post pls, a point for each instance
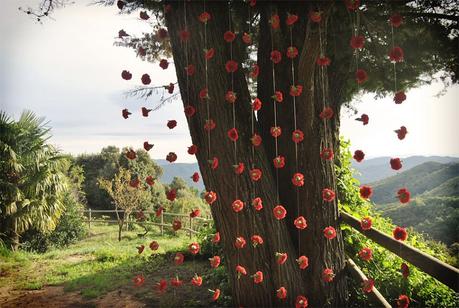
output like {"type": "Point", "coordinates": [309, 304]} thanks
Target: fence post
{"type": "Point", "coordinates": [191, 220]}
{"type": "Point", "coordinates": [162, 223]}
{"type": "Point", "coordinates": [90, 217]}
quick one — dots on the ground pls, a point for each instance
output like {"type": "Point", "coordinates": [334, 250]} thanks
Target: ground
{"type": "Point", "coordinates": [98, 272]}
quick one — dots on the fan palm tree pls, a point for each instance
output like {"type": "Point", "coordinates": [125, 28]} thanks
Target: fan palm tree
{"type": "Point", "coordinates": [31, 180]}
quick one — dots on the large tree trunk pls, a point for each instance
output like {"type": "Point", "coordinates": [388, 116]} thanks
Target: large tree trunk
{"type": "Point", "coordinates": [279, 236]}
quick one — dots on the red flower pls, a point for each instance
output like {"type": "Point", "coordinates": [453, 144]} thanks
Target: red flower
{"type": "Point", "coordinates": [122, 34]}
{"type": "Point", "coordinates": [367, 285]}
{"type": "Point", "coordinates": [216, 238]}
{"type": "Point", "coordinates": [323, 61]}
{"type": "Point", "coordinates": [193, 149]}
{"type": "Point", "coordinates": [209, 53]}
{"type": "Point", "coordinates": [396, 20]}
{"type": "Point", "coordinates": [276, 131]}
{"type": "Point", "coordinates": [214, 261]}
{"type": "Point", "coordinates": [352, 5]}
{"type": "Point", "coordinates": [237, 205]}
{"type": "Point", "coordinates": [298, 179]}
{"type": "Point", "coordinates": [146, 79]}
{"type": "Point", "coordinates": [154, 245]}
{"type": "Point", "coordinates": [303, 262]}
{"type": "Point", "coordinates": [366, 254]}
{"type": "Point", "coordinates": [167, 8]}
{"type": "Point", "coordinates": [189, 111]}
{"type": "Point", "coordinates": [147, 146]}
{"type": "Point", "coordinates": [399, 97]}
{"type": "Point", "coordinates": [176, 282]}
{"type": "Point", "coordinates": [171, 195]}
{"type": "Point", "coordinates": [281, 258]}
{"type": "Point", "coordinates": [203, 94]}
{"type": "Point", "coordinates": [171, 124]}
{"type": "Point", "coordinates": [145, 111]}
{"type": "Point", "coordinates": [361, 76]}
{"type": "Point", "coordinates": [281, 293]}
{"type": "Point", "coordinates": [204, 17]}
{"type": "Point", "coordinates": [196, 280]}
{"type": "Point", "coordinates": [131, 154]}
{"type": "Point", "coordinates": [138, 280]}
{"type": "Point", "coordinates": [276, 56]}
{"type": "Point", "coordinates": [246, 38]}
{"type": "Point", "coordinates": [327, 154]}
{"type": "Point", "coordinates": [258, 277]}
{"type": "Point", "coordinates": [327, 113]}
{"type": "Point", "coordinates": [142, 52]}
{"type": "Point", "coordinates": [170, 88]}
{"type": "Point", "coordinates": [357, 42]}
{"type": "Point", "coordinates": [400, 234]}
{"type": "Point", "coordinates": [176, 225]}
{"type": "Point", "coordinates": [195, 177]}
{"type": "Point", "coordinates": [231, 66]}
{"type": "Point", "coordinates": [291, 19]}
{"type": "Point", "coordinates": [275, 21]}
{"type": "Point", "coordinates": [278, 96]}
{"type": "Point", "coordinates": [328, 275]}
{"type": "Point", "coordinates": [279, 212]}
{"type": "Point", "coordinates": [210, 197]}
{"type": "Point", "coordinates": [396, 163]}
{"type": "Point", "coordinates": [365, 223]}
{"type": "Point", "coordinates": [330, 233]}
{"type": "Point", "coordinates": [159, 211]}
{"type": "Point", "coordinates": [195, 213]}
{"type": "Point", "coordinates": [209, 125]}
{"type": "Point", "coordinates": [301, 302]}
{"type": "Point", "coordinates": [194, 248]}
{"type": "Point", "coordinates": [233, 135]}
{"type": "Point", "coordinates": [403, 301]}
{"type": "Point", "coordinates": [126, 75]}
{"type": "Point", "coordinates": [396, 54]}
{"type": "Point", "coordinates": [328, 195]}
{"type": "Point", "coordinates": [252, 3]}
{"type": "Point", "coordinates": [256, 240]}
{"type": "Point", "coordinates": [255, 71]}
{"type": "Point", "coordinates": [296, 90]}
{"type": "Point", "coordinates": [403, 195]}
{"type": "Point", "coordinates": [292, 52]}
{"type": "Point", "coordinates": [216, 294]}
{"type": "Point", "coordinates": [134, 183]}
{"type": "Point", "coordinates": [279, 162]}
{"type": "Point", "coordinates": [401, 133]}
{"type": "Point", "coordinates": [300, 223]}
{"type": "Point", "coordinates": [239, 168]}
{"type": "Point", "coordinates": [190, 69]}
{"type": "Point", "coordinates": [256, 140]}
{"type": "Point", "coordinates": [359, 155]}
{"type": "Point", "coordinates": [229, 36]}
{"type": "Point", "coordinates": [364, 118]}
{"type": "Point", "coordinates": [163, 64]}
{"type": "Point", "coordinates": [240, 242]}
{"type": "Point", "coordinates": [120, 4]}
{"type": "Point", "coordinates": [255, 174]}
{"type": "Point", "coordinates": [161, 285]}
{"type": "Point", "coordinates": [150, 180]}
{"type": "Point", "coordinates": [184, 35]}
{"type": "Point", "coordinates": [257, 203]}
{"type": "Point", "coordinates": [240, 271]}
{"type": "Point", "coordinates": [297, 136]}
{"type": "Point", "coordinates": [162, 33]}
{"type": "Point", "coordinates": [140, 249]}
{"type": "Point", "coordinates": [315, 16]}
{"type": "Point", "coordinates": [256, 105]}
{"type": "Point", "coordinates": [171, 157]}
{"type": "Point", "coordinates": [405, 270]}
{"type": "Point", "coordinates": [214, 163]}
{"type": "Point", "coordinates": [366, 192]}
{"type": "Point", "coordinates": [230, 97]}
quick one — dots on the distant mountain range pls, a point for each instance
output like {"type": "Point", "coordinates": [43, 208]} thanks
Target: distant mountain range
{"type": "Point", "coordinates": [183, 170]}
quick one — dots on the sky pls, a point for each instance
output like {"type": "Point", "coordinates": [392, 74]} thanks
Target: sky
{"type": "Point", "coordinates": [68, 71]}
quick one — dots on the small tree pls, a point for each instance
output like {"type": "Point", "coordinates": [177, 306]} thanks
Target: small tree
{"type": "Point", "coordinates": [124, 196]}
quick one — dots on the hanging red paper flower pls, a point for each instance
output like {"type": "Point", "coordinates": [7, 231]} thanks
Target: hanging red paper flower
{"type": "Point", "coordinates": [357, 42]}
{"type": "Point", "coordinates": [327, 154]}
{"type": "Point", "coordinates": [210, 197]}
{"type": "Point", "coordinates": [365, 223]}
{"type": "Point", "coordinates": [125, 113]}
{"type": "Point", "coordinates": [298, 179]}
{"type": "Point", "coordinates": [278, 96]}
{"type": "Point", "coordinates": [323, 61]}
{"type": "Point", "coordinates": [239, 168]}
{"type": "Point", "coordinates": [161, 285]}
{"type": "Point", "coordinates": [138, 280]}
{"type": "Point", "coordinates": [255, 174]}
{"type": "Point", "coordinates": [405, 270]}
{"type": "Point", "coordinates": [297, 136]}
{"type": "Point", "coordinates": [403, 301]}
{"type": "Point", "coordinates": [256, 240]}
{"type": "Point", "coordinates": [154, 245]}
{"type": "Point", "coordinates": [146, 79]}
{"type": "Point", "coordinates": [281, 258]}
{"type": "Point", "coordinates": [184, 35]}
{"type": "Point", "coordinates": [276, 131]}
{"type": "Point", "coordinates": [366, 191]}
{"type": "Point", "coordinates": [296, 90]}
{"type": "Point", "coordinates": [364, 118]}
{"type": "Point", "coordinates": [366, 254]}
{"type": "Point", "coordinates": [252, 3]}
{"type": "Point", "coordinates": [328, 195]}
{"type": "Point", "coordinates": [292, 52]}
{"type": "Point", "coordinates": [300, 223]}
{"type": "Point", "coordinates": [367, 285]}
{"type": "Point", "coordinates": [396, 54]}
{"type": "Point", "coordinates": [214, 163]}
{"type": "Point", "coordinates": [176, 225]}
{"type": "Point", "coordinates": [240, 271]}
{"type": "Point", "coordinates": [303, 262]}
{"type": "Point", "coordinates": [150, 180]}
{"type": "Point", "coordinates": [256, 105]}
{"type": "Point", "coordinates": [203, 94]}
{"type": "Point", "coordinates": [240, 242]}
{"type": "Point", "coordinates": [195, 213]}
{"type": "Point", "coordinates": [279, 162]}
{"type": "Point", "coordinates": [196, 280]}
{"type": "Point", "coordinates": [194, 248]}
{"type": "Point", "coordinates": [230, 97]}
{"type": "Point", "coordinates": [164, 64]}
{"type": "Point", "coordinates": [171, 157]}
{"type": "Point", "coordinates": [361, 76]}
{"type": "Point", "coordinates": [190, 69]}
{"type": "Point", "coordinates": [204, 17]}
{"type": "Point", "coordinates": [209, 53]}
{"type": "Point", "coordinates": [214, 261]}
{"type": "Point", "coordinates": [131, 154]}
{"type": "Point", "coordinates": [134, 183]}
{"type": "Point", "coordinates": [400, 234]}
{"type": "Point", "coordinates": [231, 66]}
{"type": "Point", "coordinates": [315, 16]}
{"type": "Point", "coordinates": [189, 111]}
{"type": "Point", "coordinates": [399, 97]}
{"type": "Point", "coordinates": [275, 21]}
{"type": "Point", "coordinates": [396, 20]}
{"type": "Point", "coordinates": [171, 124]}
{"type": "Point", "coordinates": [147, 146]}
{"type": "Point", "coordinates": [328, 275]}
{"type": "Point", "coordinates": [140, 249]}
{"type": "Point", "coordinates": [159, 210]}
{"type": "Point", "coordinates": [276, 56]}
{"type": "Point", "coordinates": [126, 75]}
{"type": "Point", "coordinates": [330, 232]}
{"type": "Point", "coordinates": [247, 38]}
{"type": "Point", "coordinates": [122, 34]}
{"type": "Point", "coordinates": [229, 36]}
{"type": "Point", "coordinates": [176, 282]}
{"type": "Point", "coordinates": [352, 5]}
{"type": "Point", "coordinates": [255, 71]}
{"type": "Point", "coordinates": [233, 135]}
{"type": "Point", "coordinates": [167, 8]}
{"type": "Point", "coordinates": [195, 177]}
{"type": "Point", "coordinates": [301, 302]}
{"type": "Point", "coordinates": [359, 155]}
{"type": "Point", "coordinates": [162, 33]}
{"type": "Point", "coordinates": [291, 19]}
{"type": "Point", "coordinates": [396, 163]}
{"type": "Point", "coordinates": [193, 149]}
{"type": "Point", "coordinates": [142, 52]}
{"type": "Point", "coordinates": [281, 293]}
{"type": "Point", "coordinates": [216, 238]}
{"type": "Point", "coordinates": [326, 113]}
{"type": "Point", "coordinates": [209, 125]}
{"type": "Point", "coordinates": [257, 203]}
{"type": "Point", "coordinates": [216, 294]}
{"type": "Point", "coordinates": [145, 111]}
{"type": "Point", "coordinates": [401, 133]}
{"type": "Point", "coordinates": [279, 212]}
{"type": "Point", "coordinates": [120, 4]}
{"type": "Point", "coordinates": [256, 140]}
{"type": "Point", "coordinates": [403, 195]}
{"type": "Point", "coordinates": [257, 277]}
{"type": "Point", "coordinates": [237, 205]}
